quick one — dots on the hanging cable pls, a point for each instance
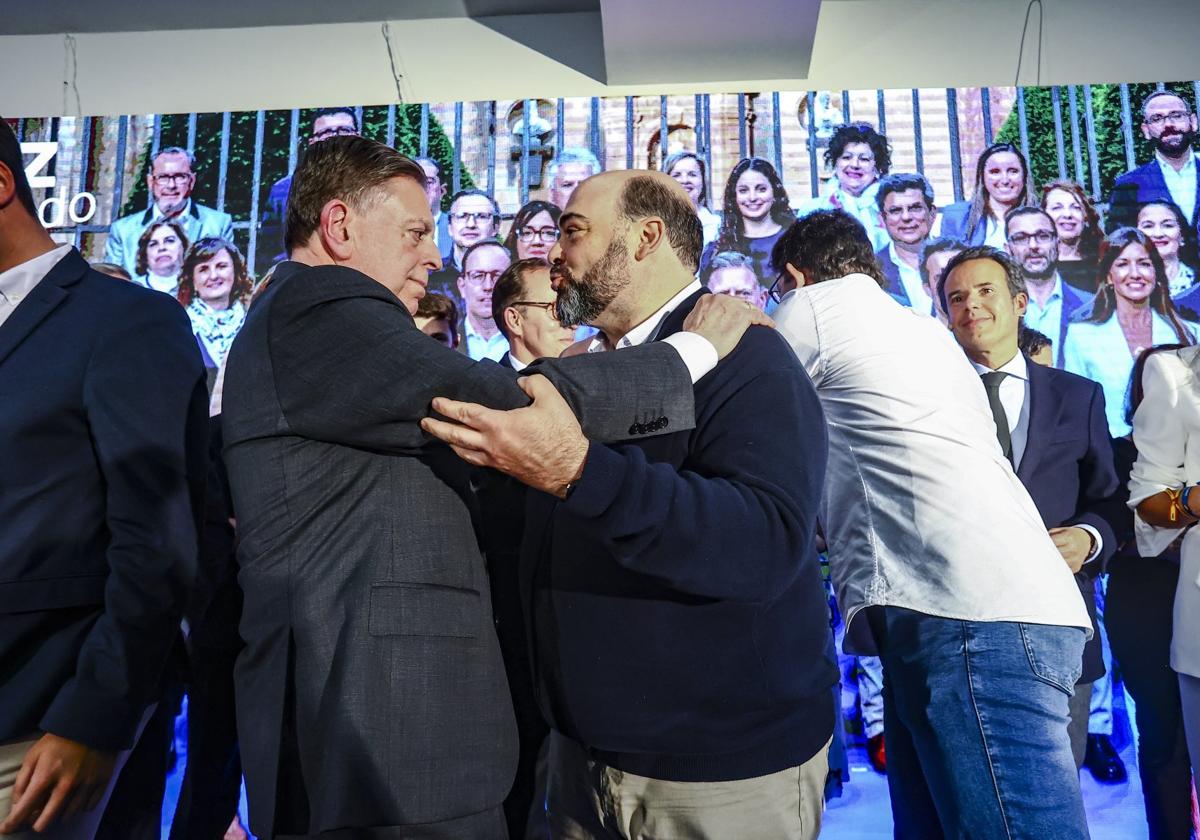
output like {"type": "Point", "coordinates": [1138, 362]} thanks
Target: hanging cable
{"type": "Point", "coordinates": [397, 78]}
{"type": "Point", "coordinates": [71, 73]}
{"type": "Point", "coordinates": [1024, 33]}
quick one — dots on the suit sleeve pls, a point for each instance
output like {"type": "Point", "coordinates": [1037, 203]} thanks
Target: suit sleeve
{"type": "Point", "coordinates": [145, 400]}
{"type": "Point", "coordinates": [357, 371]}
{"type": "Point", "coordinates": [226, 227]}
{"type": "Point", "coordinates": [734, 528]}
{"type": "Point", "coordinates": [1099, 505]}
{"type": "Point", "coordinates": [1123, 203]}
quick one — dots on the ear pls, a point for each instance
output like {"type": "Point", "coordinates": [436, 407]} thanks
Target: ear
{"type": "Point", "coordinates": [652, 236]}
{"type": "Point", "coordinates": [797, 275]}
{"type": "Point", "coordinates": [334, 228]}
{"type": "Point", "coordinates": [1020, 303]}
{"type": "Point", "coordinates": [1146, 130]}
{"type": "Point", "coordinates": [8, 186]}
{"type": "Point", "coordinates": [512, 321]}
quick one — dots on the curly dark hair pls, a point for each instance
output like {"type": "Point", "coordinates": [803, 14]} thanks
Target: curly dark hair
{"type": "Point", "coordinates": [733, 227]}
{"type": "Point", "coordinates": [860, 132]}
{"type": "Point", "coordinates": [826, 245]}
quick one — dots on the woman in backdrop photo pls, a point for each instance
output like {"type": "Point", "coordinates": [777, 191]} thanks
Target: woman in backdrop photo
{"type": "Point", "coordinates": [859, 156]}
{"type": "Point", "coordinates": [1078, 226]}
{"type": "Point", "coordinates": [689, 170]}
{"type": "Point", "coordinates": [160, 251]}
{"type": "Point", "coordinates": [1171, 234]}
{"type": "Point", "coordinates": [534, 230]}
{"type": "Point", "coordinates": [1132, 312]}
{"type": "Point", "coordinates": [1002, 182]}
{"type": "Point", "coordinates": [214, 287]}
{"type": "Point", "coordinates": [756, 211]}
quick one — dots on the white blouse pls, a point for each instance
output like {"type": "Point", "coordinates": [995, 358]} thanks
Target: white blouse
{"type": "Point", "coordinates": [1166, 431]}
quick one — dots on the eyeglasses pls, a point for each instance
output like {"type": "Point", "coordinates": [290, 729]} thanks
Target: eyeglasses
{"type": "Point", "coordinates": [775, 292]}
{"type": "Point", "coordinates": [912, 210]}
{"type": "Point", "coordinates": [335, 131]}
{"type": "Point", "coordinates": [1041, 237]}
{"type": "Point", "coordinates": [171, 177]}
{"type": "Point", "coordinates": [477, 277]}
{"type": "Point", "coordinates": [539, 304]}
{"type": "Point", "coordinates": [1173, 116]}
{"type": "Point", "coordinates": [544, 234]}
{"type": "Point", "coordinates": [477, 218]}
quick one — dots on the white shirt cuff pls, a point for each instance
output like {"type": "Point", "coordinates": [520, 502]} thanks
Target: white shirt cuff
{"type": "Point", "coordinates": [696, 351]}
{"type": "Point", "coordinates": [1095, 536]}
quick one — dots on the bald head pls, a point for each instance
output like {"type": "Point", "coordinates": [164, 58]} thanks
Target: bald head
{"type": "Point", "coordinates": [633, 195]}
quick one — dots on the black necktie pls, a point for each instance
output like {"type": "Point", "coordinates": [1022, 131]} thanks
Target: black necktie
{"type": "Point", "coordinates": [992, 381]}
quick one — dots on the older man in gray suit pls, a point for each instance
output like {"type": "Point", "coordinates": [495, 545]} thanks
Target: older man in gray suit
{"type": "Point", "coordinates": [372, 699]}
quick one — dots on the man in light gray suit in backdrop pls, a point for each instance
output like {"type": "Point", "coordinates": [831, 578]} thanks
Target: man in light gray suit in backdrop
{"type": "Point", "coordinates": [170, 182]}
{"type": "Point", "coordinates": [372, 699]}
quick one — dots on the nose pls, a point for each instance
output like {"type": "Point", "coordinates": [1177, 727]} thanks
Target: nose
{"type": "Point", "coordinates": [555, 254]}
{"type": "Point", "coordinates": [432, 258]}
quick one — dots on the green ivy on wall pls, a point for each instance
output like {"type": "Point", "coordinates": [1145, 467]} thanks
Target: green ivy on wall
{"type": "Point", "coordinates": [1110, 141]}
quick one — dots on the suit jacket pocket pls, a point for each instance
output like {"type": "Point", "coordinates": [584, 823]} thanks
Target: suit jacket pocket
{"type": "Point", "coordinates": [415, 609]}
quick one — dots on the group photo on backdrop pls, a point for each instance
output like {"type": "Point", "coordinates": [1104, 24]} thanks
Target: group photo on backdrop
{"type": "Point", "coordinates": [641, 473]}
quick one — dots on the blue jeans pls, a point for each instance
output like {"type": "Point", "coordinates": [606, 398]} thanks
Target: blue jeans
{"type": "Point", "coordinates": [975, 715]}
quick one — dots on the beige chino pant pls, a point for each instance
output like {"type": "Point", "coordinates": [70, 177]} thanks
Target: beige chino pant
{"type": "Point", "coordinates": [587, 800]}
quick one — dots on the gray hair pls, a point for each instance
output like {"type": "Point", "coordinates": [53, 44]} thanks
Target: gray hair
{"type": "Point", "coordinates": [1012, 271]}
{"type": "Point", "coordinates": [174, 150]}
{"type": "Point", "coordinates": [572, 154]}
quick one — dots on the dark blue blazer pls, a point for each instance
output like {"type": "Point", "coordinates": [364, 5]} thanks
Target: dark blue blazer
{"type": "Point", "coordinates": [1068, 469]}
{"type": "Point", "coordinates": [891, 273]}
{"type": "Point", "coordinates": [1140, 185]}
{"type": "Point", "coordinates": [1188, 303]}
{"type": "Point", "coordinates": [678, 621]}
{"type": "Point", "coordinates": [103, 447]}
{"type": "Point", "coordinates": [954, 223]}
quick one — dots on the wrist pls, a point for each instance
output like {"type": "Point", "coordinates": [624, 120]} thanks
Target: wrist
{"type": "Point", "coordinates": [568, 487]}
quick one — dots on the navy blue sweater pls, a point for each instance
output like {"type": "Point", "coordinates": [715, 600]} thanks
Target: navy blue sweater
{"type": "Point", "coordinates": [679, 625]}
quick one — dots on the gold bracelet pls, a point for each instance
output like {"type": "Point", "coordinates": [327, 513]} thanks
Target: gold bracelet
{"type": "Point", "coordinates": [1174, 508]}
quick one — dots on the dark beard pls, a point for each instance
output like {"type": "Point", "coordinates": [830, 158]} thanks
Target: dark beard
{"type": "Point", "coordinates": [1179, 143]}
{"type": "Point", "coordinates": [583, 301]}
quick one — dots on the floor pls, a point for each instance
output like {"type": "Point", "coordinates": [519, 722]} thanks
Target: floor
{"type": "Point", "coordinates": [863, 812]}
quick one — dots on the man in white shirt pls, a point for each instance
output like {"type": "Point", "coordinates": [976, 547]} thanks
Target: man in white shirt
{"type": "Point", "coordinates": [523, 307]}
{"type": "Point", "coordinates": [968, 603]}
{"type": "Point", "coordinates": [1169, 123]}
{"type": "Point", "coordinates": [1073, 481]}
{"type": "Point", "coordinates": [1032, 240]}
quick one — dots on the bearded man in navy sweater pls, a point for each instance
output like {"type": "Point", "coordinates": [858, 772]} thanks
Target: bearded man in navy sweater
{"type": "Point", "coordinates": [677, 622]}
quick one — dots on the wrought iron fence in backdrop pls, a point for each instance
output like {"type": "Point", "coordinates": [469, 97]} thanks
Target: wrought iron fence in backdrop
{"type": "Point", "coordinates": [103, 155]}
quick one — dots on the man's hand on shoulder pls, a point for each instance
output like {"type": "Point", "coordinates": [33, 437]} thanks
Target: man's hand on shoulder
{"type": "Point", "coordinates": [541, 445]}
{"type": "Point", "coordinates": [58, 779]}
{"type": "Point", "coordinates": [723, 320]}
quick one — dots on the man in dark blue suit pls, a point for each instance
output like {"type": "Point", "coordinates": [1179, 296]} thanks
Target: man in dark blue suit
{"type": "Point", "coordinates": [1169, 123]}
{"type": "Point", "coordinates": [102, 438]}
{"type": "Point", "coordinates": [1052, 428]}
{"type": "Point", "coordinates": [677, 618]}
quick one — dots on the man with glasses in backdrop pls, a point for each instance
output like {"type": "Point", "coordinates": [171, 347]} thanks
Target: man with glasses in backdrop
{"type": "Point", "coordinates": [906, 205]}
{"type": "Point", "coordinates": [1169, 123]}
{"type": "Point", "coordinates": [1032, 240]}
{"type": "Point", "coordinates": [170, 183]}
{"type": "Point", "coordinates": [523, 304]}
{"type": "Point", "coordinates": [483, 264]}
{"type": "Point", "coordinates": [474, 217]}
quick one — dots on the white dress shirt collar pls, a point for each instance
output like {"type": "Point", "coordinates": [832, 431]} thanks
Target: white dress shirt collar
{"type": "Point", "coordinates": [648, 329]}
{"type": "Point", "coordinates": [516, 363]}
{"type": "Point", "coordinates": [18, 281]}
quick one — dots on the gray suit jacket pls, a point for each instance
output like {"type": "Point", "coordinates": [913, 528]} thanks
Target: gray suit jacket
{"type": "Point", "coordinates": [371, 691]}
